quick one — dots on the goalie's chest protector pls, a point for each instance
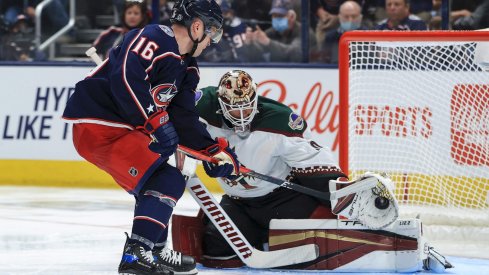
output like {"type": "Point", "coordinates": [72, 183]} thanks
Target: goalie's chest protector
{"type": "Point", "coordinates": [274, 146]}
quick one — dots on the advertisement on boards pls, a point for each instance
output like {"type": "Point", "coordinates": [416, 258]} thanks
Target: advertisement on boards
{"type": "Point", "coordinates": [33, 99]}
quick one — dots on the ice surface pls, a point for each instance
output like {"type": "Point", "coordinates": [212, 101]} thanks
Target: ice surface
{"type": "Point", "coordinates": [81, 231]}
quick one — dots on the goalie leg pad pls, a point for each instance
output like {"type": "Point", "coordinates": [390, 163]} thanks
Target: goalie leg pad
{"type": "Point", "coordinates": [187, 235]}
{"type": "Point", "coordinates": [349, 246]}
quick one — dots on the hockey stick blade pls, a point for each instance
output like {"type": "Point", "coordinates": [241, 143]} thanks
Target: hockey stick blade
{"type": "Point", "coordinates": [354, 188]}
{"type": "Point", "coordinates": [251, 256]}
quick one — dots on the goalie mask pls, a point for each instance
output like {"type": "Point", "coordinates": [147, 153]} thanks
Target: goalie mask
{"type": "Point", "coordinates": [238, 99]}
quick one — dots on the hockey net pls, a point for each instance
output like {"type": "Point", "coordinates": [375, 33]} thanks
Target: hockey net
{"type": "Point", "coordinates": [416, 105]}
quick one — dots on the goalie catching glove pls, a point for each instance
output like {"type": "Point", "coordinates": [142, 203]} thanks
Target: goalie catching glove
{"type": "Point", "coordinates": [375, 207]}
{"type": "Point", "coordinates": [227, 165]}
{"type": "Point", "coordinates": [165, 138]}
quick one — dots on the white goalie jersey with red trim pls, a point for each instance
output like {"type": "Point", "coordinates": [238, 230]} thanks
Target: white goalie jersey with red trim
{"type": "Point", "coordinates": [278, 144]}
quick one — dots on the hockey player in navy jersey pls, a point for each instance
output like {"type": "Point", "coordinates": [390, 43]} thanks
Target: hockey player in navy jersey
{"type": "Point", "coordinates": [132, 111]}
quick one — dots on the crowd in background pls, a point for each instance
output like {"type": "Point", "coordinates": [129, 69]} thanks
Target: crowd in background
{"type": "Point", "coordinates": [271, 31]}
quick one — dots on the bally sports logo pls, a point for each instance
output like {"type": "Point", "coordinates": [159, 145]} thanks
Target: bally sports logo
{"type": "Point", "coordinates": [469, 116]}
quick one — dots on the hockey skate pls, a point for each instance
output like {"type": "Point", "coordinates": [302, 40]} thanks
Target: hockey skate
{"type": "Point", "coordinates": [136, 260]}
{"type": "Point", "coordinates": [175, 261]}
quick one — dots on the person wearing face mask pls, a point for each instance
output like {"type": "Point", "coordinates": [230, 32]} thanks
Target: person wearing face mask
{"type": "Point", "coordinates": [282, 41]}
{"type": "Point", "coordinates": [350, 18]}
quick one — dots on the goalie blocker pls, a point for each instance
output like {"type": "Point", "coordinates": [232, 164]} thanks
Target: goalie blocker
{"type": "Point", "coordinates": [344, 245]}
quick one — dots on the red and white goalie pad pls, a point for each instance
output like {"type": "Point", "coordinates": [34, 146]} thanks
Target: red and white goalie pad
{"type": "Point", "coordinates": [349, 246]}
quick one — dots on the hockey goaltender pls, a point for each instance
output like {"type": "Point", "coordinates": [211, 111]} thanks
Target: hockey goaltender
{"type": "Point", "coordinates": [313, 220]}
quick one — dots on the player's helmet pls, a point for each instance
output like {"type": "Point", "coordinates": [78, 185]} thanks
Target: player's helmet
{"type": "Point", "coordinates": [185, 11]}
{"type": "Point", "coordinates": [237, 94]}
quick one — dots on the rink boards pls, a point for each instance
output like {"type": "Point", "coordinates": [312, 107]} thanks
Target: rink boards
{"type": "Point", "coordinates": [36, 147]}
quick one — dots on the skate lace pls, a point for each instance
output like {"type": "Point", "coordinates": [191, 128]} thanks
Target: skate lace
{"type": "Point", "coordinates": [171, 256]}
{"type": "Point", "coordinates": [148, 256]}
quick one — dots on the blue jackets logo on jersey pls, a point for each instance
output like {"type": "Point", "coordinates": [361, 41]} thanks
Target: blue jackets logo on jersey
{"type": "Point", "coordinates": [163, 93]}
{"type": "Point", "coordinates": [296, 122]}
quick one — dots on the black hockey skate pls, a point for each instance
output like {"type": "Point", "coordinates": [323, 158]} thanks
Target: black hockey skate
{"type": "Point", "coordinates": [180, 264]}
{"type": "Point", "coordinates": [136, 260]}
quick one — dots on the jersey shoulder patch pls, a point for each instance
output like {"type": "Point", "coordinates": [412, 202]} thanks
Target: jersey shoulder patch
{"type": "Point", "coordinates": [167, 30]}
{"type": "Point", "coordinates": [277, 118]}
{"type": "Point", "coordinates": [296, 122]}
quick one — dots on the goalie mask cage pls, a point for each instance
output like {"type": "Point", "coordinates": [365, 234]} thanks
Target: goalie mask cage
{"type": "Point", "coordinates": [416, 106]}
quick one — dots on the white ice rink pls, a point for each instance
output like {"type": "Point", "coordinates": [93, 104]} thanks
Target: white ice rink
{"type": "Point", "coordinates": [81, 231]}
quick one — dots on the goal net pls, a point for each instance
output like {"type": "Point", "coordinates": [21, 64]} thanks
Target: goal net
{"type": "Point", "coordinates": [416, 106]}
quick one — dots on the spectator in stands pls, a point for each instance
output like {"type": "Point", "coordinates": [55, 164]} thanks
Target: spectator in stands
{"type": "Point", "coordinates": [281, 42]}
{"type": "Point", "coordinates": [18, 43]}
{"type": "Point", "coordinates": [478, 19]}
{"type": "Point", "coordinates": [350, 18]}
{"type": "Point", "coordinates": [399, 17]}
{"type": "Point", "coordinates": [325, 18]}
{"type": "Point", "coordinates": [231, 48]}
{"type": "Point", "coordinates": [420, 8]}
{"type": "Point", "coordinates": [134, 15]}
{"type": "Point", "coordinates": [55, 13]}
{"type": "Point", "coordinates": [459, 9]}
{"type": "Point", "coordinates": [10, 9]}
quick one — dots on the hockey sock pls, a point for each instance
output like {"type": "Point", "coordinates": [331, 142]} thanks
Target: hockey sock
{"type": "Point", "coordinates": [150, 220]}
{"type": "Point", "coordinates": [162, 240]}
{"type": "Point", "coordinates": [156, 201]}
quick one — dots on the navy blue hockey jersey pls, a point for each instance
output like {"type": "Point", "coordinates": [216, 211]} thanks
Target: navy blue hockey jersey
{"type": "Point", "coordinates": [146, 73]}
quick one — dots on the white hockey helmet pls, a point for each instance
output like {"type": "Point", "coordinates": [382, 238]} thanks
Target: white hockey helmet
{"type": "Point", "coordinates": [238, 99]}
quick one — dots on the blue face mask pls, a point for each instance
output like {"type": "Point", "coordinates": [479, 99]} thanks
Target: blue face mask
{"type": "Point", "coordinates": [349, 26]}
{"type": "Point", "coordinates": [280, 24]}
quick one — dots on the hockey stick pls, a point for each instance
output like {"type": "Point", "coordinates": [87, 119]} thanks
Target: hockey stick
{"type": "Point", "coordinates": [353, 188]}
{"type": "Point", "coordinates": [251, 256]}
{"type": "Point", "coordinates": [92, 53]}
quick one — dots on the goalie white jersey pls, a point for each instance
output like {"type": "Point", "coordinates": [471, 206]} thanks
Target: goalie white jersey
{"type": "Point", "coordinates": [281, 144]}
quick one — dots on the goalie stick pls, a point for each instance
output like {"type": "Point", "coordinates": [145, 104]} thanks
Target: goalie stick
{"type": "Point", "coordinates": [251, 256]}
{"type": "Point", "coordinates": [351, 189]}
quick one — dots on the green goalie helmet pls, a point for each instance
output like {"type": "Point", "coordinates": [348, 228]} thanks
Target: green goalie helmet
{"type": "Point", "coordinates": [238, 99]}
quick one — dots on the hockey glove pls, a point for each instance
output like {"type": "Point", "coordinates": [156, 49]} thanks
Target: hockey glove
{"type": "Point", "coordinates": [228, 165]}
{"type": "Point", "coordinates": [165, 138]}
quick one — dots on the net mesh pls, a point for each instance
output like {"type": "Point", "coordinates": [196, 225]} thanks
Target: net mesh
{"type": "Point", "coordinates": [420, 112]}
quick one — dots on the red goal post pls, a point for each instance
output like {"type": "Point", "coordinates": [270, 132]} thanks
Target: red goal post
{"type": "Point", "coordinates": [416, 105]}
